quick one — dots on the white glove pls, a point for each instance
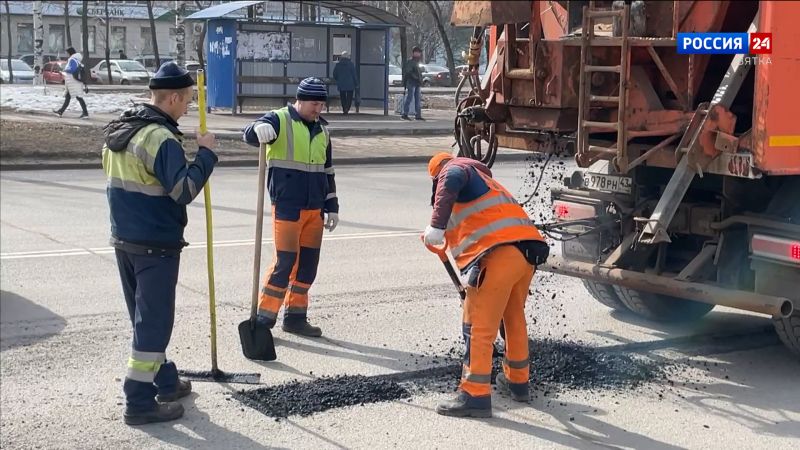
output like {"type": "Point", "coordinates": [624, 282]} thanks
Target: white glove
{"type": "Point", "coordinates": [331, 221]}
{"type": "Point", "coordinates": [433, 236]}
{"type": "Point", "coordinates": [265, 133]}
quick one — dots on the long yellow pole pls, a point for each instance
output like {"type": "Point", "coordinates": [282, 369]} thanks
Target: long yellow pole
{"type": "Point", "coordinates": [212, 303]}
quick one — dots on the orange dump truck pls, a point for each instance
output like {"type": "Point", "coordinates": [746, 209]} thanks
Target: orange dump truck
{"type": "Point", "coordinates": [687, 194]}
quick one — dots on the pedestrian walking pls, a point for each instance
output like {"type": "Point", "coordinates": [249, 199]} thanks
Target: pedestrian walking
{"type": "Point", "coordinates": [346, 80]}
{"type": "Point", "coordinates": [494, 244]}
{"type": "Point", "coordinates": [74, 83]}
{"type": "Point", "coordinates": [302, 188]}
{"type": "Point", "coordinates": [150, 183]}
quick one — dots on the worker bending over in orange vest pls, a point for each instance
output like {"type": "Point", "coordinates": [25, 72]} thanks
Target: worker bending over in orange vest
{"type": "Point", "coordinates": [302, 189]}
{"type": "Point", "coordinates": [495, 244]}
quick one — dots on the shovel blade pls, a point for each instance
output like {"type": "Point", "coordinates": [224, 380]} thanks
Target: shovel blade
{"type": "Point", "coordinates": [257, 343]}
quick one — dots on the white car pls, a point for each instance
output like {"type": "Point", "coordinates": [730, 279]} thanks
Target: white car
{"type": "Point", "coordinates": [123, 71]}
{"type": "Point", "coordinates": [23, 73]}
{"type": "Point", "coordinates": [395, 76]}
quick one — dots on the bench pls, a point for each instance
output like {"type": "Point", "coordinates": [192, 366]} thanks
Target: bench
{"type": "Point", "coordinates": [284, 98]}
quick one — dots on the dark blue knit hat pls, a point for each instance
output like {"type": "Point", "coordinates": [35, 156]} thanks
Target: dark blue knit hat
{"type": "Point", "coordinates": [312, 89]}
{"type": "Point", "coordinates": [171, 76]}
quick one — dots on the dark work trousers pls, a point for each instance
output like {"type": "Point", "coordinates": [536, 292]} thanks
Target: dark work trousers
{"type": "Point", "coordinates": [347, 100]}
{"type": "Point", "coordinates": [148, 283]}
{"type": "Point", "coordinates": [67, 99]}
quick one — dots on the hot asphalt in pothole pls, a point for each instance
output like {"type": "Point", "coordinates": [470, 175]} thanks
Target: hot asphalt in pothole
{"type": "Point", "coordinates": [555, 366]}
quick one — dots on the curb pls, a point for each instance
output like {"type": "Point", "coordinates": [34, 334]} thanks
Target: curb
{"type": "Point", "coordinates": [342, 162]}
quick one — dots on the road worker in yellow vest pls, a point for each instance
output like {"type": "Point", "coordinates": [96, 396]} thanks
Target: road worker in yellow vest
{"type": "Point", "coordinates": [302, 189]}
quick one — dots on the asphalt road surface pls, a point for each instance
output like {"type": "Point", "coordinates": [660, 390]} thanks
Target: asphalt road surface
{"type": "Point", "coordinates": [386, 307]}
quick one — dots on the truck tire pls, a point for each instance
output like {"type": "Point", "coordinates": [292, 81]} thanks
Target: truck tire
{"type": "Point", "coordinates": [604, 293]}
{"type": "Point", "coordinates": [784, 203]}
{"type": "Point", "coordinates": [789, 331]}
{"type": "Point", "coordinates": [661, 308]}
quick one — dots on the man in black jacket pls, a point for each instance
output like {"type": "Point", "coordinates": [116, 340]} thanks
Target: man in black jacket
{"type": "Point", "coordinates": [412, 80]}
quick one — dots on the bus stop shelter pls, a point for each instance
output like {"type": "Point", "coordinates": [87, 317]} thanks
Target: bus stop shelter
{"type": "Point", "coordinates": [258, 57]}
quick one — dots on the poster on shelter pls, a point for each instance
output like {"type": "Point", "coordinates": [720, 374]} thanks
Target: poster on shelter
{"type": "Point", "coordinates": [270, 46]}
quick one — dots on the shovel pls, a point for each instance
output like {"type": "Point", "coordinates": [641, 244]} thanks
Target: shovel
{"type": "Point", "coordinates": [214, 375]}
{"type": "Point", "coordinates": [462, 292]}
{"type": "Point", "coordinates": [256, 339]}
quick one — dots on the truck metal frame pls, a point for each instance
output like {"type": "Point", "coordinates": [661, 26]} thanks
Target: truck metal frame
{"type": "Point", "coordinates": [688, 193]}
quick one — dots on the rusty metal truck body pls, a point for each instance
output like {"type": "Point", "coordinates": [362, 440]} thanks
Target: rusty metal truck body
{"type": "Point", "coordinates": [688, 192]}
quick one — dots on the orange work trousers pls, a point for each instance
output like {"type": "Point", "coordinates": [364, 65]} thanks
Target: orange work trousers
{"type": "Point", "coordinates": [294, 266]}
{"type": "Point", "coordinates": [500, 294]}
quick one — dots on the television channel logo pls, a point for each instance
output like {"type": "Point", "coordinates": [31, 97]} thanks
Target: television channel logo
{"type": "Point", "coordinates": [724, 43]}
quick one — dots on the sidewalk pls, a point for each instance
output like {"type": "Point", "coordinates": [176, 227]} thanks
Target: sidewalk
{"type": "Point", "coordinates": [37, 142]}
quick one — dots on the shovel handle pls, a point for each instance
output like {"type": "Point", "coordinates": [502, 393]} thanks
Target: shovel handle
{"type": "Point", "coordinates": [441, 252]}
{"type": "Point", "coordinates": [262, 170]}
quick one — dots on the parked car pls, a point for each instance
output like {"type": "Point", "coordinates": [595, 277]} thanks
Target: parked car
{"type": "Point", "coordinates": [435, 75]}
{"type": "Point", "coordinates": [46, 58]}
{"type": "Point", "coordinates": [123, 71]}
{"type": "Point", "coordinates": [192, 67]}
{"type": "Point", "coordinates": [23, 73]}
{"type": "Point", "coordinates": [52, 72]}
{"type": "Point", "coordinates": [395, 75]}
{"type": "Point", "coordinates": [149, 61]}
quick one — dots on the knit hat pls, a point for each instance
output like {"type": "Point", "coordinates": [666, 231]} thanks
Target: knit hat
{"type": "Point", "coordinates": [312, 89]}
{"type": "Point", "coordinates": [171, 76]}
{"type": "Point", "coordinates": [435, 164]}
{"type": "Point", "coordinates": [345, 54]}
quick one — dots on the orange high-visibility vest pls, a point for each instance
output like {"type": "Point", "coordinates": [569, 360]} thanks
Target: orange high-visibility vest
{"type": "Point", "coordinates": [490, 220]}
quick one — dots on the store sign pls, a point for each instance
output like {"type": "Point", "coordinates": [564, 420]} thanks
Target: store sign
{"type": "Point", "coordinates": [101, 12]}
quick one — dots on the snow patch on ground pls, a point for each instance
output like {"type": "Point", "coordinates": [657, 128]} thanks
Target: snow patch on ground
{"type": "Point", "coordinates": [37, 98]}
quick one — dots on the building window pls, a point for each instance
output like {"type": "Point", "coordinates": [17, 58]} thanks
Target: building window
{"type": "Point", "coordinates": [55, 39]}
{"type": "Point", "coordinates": [117, 39]}
{"type": "Point", "coordinates": [147, 41]}
{"type": "Point", "coordinates": [25, 37]}
{"type": "Point", "coordinates": [91, 41]}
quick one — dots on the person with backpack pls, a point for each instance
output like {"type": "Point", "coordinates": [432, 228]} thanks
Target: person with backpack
{"type": "Point", "coordinates": [74, 83]}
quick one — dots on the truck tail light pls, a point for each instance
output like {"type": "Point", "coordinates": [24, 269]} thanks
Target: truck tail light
{"type": "Point", "coordinates": [572, 211]}
{"type": "Point", "coordinates": [780, 249]}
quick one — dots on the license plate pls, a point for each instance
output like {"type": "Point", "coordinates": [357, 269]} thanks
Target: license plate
{"type": "Point", "coordinates": [611, 183]}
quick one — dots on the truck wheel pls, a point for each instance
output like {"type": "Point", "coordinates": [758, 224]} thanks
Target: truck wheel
{"type": "Point", "coordinates": [784, 204]}
{"type": "Point", "coordinates": [604, 293]}
{"type": "Point", "coordinates": [789, 331]}
{"type": "Point", "coordinates": [661, 308]}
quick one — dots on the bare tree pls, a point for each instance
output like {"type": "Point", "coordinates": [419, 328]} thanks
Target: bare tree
{"type": "Point", "coordinates": [85, 31]}
{"type": "Point", "coordinates": [38, 41]}
{"type": "Point", "coordinates": [8, 29]}
{"type": "Point", "coordinates": [108, 46]}
{"type": "Point", "coordinates": [180, 32]}
{"type": "Point", "coordinates": [153, 35]}
{"type": "Point", "coordinates": [448, 51]}
{"type": "Point", "coordinates": [200, 42]}
{"type": "Point", "coordinates": [403, 35]}
{"type": "Point", "coordinates": [67, 31]}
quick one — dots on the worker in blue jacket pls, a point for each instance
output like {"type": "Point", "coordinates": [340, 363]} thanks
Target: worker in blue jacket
{"type": "Point", "coordinates": [150, 183]}
{"type": "Point", "coordinates": [302, 189]}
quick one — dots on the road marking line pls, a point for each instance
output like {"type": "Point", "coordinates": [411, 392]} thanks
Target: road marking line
{"type": "Point", "coordinates": [199, 245]}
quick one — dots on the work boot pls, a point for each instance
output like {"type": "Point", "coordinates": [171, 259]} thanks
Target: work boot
{"type": "Point", "coordinates": [404, 117]}
{"type": "Point", "coordinates": [184, 389]}
{"type": "Point", "coordinates": [465, 405]}
{"type": "Point", "coordinates": [517, 391]}
{"type": "Point", "coordinates": [163, 412]}
{"type": "Point", "coordinates": [301, 327]}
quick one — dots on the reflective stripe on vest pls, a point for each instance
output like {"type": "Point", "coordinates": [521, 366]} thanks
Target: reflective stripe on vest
{"type": "Point", "coordinates": [294, 149]}
{"type": "Point", "coordinates": [132, 170]}
{"type": "Point", "coordinates": [492, 219]}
